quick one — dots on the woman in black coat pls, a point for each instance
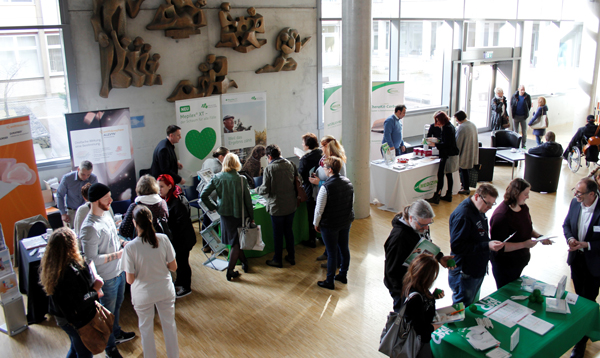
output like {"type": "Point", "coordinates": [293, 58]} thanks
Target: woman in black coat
{"type": "Point", "coordinates": [183, 234]}
{"type": "Point", "coordinates": [499, 113]}
{"type": "Point", "coordinates": [309, 163]}
{"type": "Point", "coordinates": [69, 284]}
{"type": "Point", "coordinates": [448, 157]}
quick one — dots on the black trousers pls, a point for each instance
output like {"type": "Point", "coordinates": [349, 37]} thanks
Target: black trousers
{"type": "Point", "coordinates": [586, 285]}
{"type": "Point", "coordinates": [184, 271]}
{"type": "Point", "coordinates": [311, 204]}
{"type": "Point", "coordinates": [464, 178]}
{"type": "Point", "coordinates": [440, 177]}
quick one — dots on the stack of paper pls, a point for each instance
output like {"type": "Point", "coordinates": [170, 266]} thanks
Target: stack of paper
{"type": "Point", "coordinates": [535, 324]}
{"type": "Point", "coordinates": [508, 313]}
{"type": "Point", "coordinates": [480, 338]}
{"type": "Point", "coordinates": [454, 313]}
{"type": "Point", "coordinates": [33, 242]}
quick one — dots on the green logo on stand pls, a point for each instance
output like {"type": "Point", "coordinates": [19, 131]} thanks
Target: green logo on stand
{"type": "Point", "coordinates": [392, 91]}
{"type": "Point", "coordinates": [426, 184]}
{"type": "Point", "coordinates": [184, 109]}
{"type": "Point", "coordinates": [200, 144]}
{"type": "Point", "coordinates": [335, 107]}
{"type": "Point", "coordinates": [204, 105]}
{"type": "Point", "coordinates": [253, 97]}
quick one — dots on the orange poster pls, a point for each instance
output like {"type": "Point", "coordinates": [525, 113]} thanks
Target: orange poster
{"type": "Point", "coordinates": [20, 189]}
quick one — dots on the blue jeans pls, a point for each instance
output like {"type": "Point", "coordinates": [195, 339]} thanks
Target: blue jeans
{"type": "Point", "coordinates": [465, 288]}
{"type": "Point", "coordinates": [282, 226]}
{"type": "Point", "coordinates": [78, 349]}
{"type": "Point", "coordinates": [538, 139]}
{"type": "Point", "coordinates": [114, 289]}
{"type": "Point", "coordinates": [335, 238]}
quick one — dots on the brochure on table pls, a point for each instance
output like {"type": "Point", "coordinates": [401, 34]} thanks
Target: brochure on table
{"type": "Point", "coordinates": [20, 194]}
{"type": "Point", "coordinates": [104, 138]}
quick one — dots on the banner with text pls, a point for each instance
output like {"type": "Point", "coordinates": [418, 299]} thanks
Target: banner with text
{"type": "Point", "coordinates": [200, 120]}
{"type": "Point", "coordinates": [244, 123]}
{"type": "Point", "coordinates": [104, 138]}
{"type": "Point", "coordinates": [332, 111]}
{"type": "Point", "coordinates": [20, 189]}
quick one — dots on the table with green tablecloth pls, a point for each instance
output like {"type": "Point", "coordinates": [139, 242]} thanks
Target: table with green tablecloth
{"type": "Point", "coordinates": [568, 329]}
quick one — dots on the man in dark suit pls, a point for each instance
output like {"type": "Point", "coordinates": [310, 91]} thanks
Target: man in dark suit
{"type": "Point", "coordinates": [549, 148]}
{"type": "Point", "coordinates": [164, 159]}
{"type": "Point", "coordinates": [582, 231]}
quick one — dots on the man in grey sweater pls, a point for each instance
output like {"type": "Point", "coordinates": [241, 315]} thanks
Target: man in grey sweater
{"type": "Point", "coordinates": [102, 245]}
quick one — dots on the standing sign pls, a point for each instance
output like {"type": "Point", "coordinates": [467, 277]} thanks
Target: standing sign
{"type": "Point", "coordinates": [248, 127]}
{"type": "Point", "coordinates": [332, 111]}
{"type": "Point", "coordinates": [104, 138]}
{"type": "Point", "coordinates": [385, 96]}
{"type": "Point", "coordinates": [200, 120]}
{"type": "Point", "coordinates": [20, 189]}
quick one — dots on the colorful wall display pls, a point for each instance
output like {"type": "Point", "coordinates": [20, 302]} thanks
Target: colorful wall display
{"type": "Point", "coordinates": [200, 122]}
{"type": "Point", "coordinates": [248, 127]}
{"type": "Point", "coordinates": [20, 189]}
{"type": "Point", "coordinates": [104, 138]}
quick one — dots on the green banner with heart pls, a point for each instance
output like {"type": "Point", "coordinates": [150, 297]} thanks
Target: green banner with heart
{"type": "Point", "coordinates": [200, 144]}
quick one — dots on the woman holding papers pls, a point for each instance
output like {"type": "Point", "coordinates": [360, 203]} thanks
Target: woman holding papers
{"type": "Point", "coordinates": [448, 157]}
{"type": "Point", "coordinates": [512, 221]}
{"type": "Point", "coordinates": [420, 302]}
{"type": "Point", "coordinates": [72, 288]}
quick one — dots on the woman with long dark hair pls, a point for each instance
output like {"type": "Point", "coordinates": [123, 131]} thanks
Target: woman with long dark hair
{"type": "Point", "coordinates": [419, 301]}
{"type": "Point", "coordinates": [448, 157]}
{"type": "Point", "coordinates": [71, 287]}
{"type": "Point", "coordinates": [147, 261]}
{"type": "Point", "coordinates": [182, 232]}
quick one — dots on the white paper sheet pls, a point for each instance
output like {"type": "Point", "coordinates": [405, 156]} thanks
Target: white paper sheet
{"type": "Point", "coordinates": [480, 338]}
{"type": "Point", "coordinates": [508, 313]}
{"type": "Point", "coordinates": [536, 324]}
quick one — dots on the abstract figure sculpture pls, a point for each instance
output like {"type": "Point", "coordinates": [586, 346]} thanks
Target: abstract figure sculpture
{"type": "Point", "coordinates": [213, 81]}
{"type": "Point", "coordinates": [240, 34]}
{"type": "Point", "coordinates": [288, 41]}
{"type": "Point", "coordinates": [123, 63]}
{"type": "Point", "coordinates": [179, 18]}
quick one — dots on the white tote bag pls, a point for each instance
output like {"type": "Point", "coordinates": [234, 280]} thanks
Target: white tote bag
{"type": "Point", "coordinates": [250, 237]}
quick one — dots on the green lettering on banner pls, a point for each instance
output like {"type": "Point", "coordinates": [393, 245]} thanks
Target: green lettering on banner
{"type": "Point", "coordinates": [426, 184]}
{"type": "Point", "coordinates": [335, 107]}
{"type": "Point", "coordinates": [184, 109]}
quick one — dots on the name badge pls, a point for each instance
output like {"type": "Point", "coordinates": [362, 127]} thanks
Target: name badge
{"type": "Point", "coordinates": [596, 228]}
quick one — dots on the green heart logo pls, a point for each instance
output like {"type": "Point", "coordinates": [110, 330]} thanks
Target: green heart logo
{"type": "Point", "coordinates": [200, 144]}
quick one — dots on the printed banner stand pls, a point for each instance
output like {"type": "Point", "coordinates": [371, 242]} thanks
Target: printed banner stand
{"type": "Point", "coordinates": [11, 299]}
{"type": "Point", "coordinates": [246, 123]}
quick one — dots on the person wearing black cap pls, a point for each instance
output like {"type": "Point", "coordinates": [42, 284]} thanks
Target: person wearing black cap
{"type": "Point", "coordinates": [102, 245]}
{"type": "Point", "coordinates": [228, 124]}
{"type": "Point", "coordinates": [164, 159]}
{"type": "Point", "coordinates": [580, 140]}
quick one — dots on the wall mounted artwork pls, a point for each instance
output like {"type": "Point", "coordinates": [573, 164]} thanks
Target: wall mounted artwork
{"type": "Point", "coordinates": [213, 81]}
{"type": "Point", "coordinates": [288, 42]}
{"type": "Point", "coordinates": [179, 18]}
{"type": "Point", "coordinates": [123, 62]}
{"type": "Point", "coordinates": [240, 34]}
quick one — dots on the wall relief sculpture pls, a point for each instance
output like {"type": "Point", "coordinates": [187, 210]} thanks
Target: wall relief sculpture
{"type": "Point", "coordinates": [212, 81]}
{"type": "Point", "coordinates": [179, 18]}
{"type": "Point", "coordinates": [288, 41]}
{"type": "Point", "coordinates": [123, 62]}
{"type": "Point", "coordinates": [240, 34]}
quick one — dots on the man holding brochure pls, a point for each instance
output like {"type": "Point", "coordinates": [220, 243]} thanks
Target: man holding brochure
{"type": "Point", "coordinates": [582, 231]}
{"type": "Point", "coordinates": [410, 227]}
{"type": "Point", "coordinates": [470, 244]}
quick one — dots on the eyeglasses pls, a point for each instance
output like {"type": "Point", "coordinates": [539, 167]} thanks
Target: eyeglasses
{"type": "Point", "coordinates": [577, 193]}
{"type": "Point", "coordinates": [486, 203]}
{"type": "Point", "coordinates": [421, 226]}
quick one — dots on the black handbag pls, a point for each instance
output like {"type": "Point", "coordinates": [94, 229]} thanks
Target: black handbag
{"type": "Point", "coordinates": [474, 175]}
{"type": "Point", "coordinates": [399, 339]}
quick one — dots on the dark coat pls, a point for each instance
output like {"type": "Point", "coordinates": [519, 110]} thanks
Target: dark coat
{"type": "Point", "coordinates": [514, 100]}
{"type": "Point", "coordinates": [447, 145]}
{"type": "Point", "coordinates": [182, 231]}
{"type": "Point", "coordinates": [164, 161]}
{"type": "Point", "coordinates": [309, 161]}
{"type": "Point", "coordinates": [74, 299]}
{"type": "Point", "coordinates": [570, 229]}
{"type": "Point", "coordinates": [581, 137]}
{"type": "Point", "coordinates": [498, 107]}
{"type": "Point", "coordinates": [547, 149]}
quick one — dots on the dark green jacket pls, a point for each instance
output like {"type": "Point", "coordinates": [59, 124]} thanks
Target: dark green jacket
{"type": "Point", "coordinates": [229, 192]}
{"type": "Point", "coordinates": [278, 187]}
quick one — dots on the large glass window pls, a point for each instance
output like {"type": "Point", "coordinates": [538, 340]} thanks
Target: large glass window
{"type": "Point", "coordinates": [490, 34]}
{"type": "Point", "coordinates": [380, 59]}
{"type": "Point", "coordinates": [422, 46]}
{"type": "Point", "coordinates": [332, 52]}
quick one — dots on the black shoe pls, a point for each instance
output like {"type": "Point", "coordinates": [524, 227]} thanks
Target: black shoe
{"type": "Point", "coordinates": [322, 257]}
{"type": "Point", "coordinates": [232, 275]}
{"type": "Point", "coordinates": [341, 278]}
{"type": "Point", "coordinates": [182, 292]}
{"type": "Point", "coordinates": [291, 261]}
{"type": "Point", "coordinates": [327, 285]}
{"type": "Point", "coordinates": [245, 266]}
{"type": "Point", "coordinates": [447, 197]}
{"type": "Point", "coordinates": [309, 243]}
{"type": "Point", "coordinates": [274, 263]}
{"type": "Point", "coordinates": [113, 353]}
{"type": "Point", "coordinates": [434, 200]}
{"type": "Point", "coordinates": [579, 349]}
{"type": "Point", "coordinates": [464, 192]}
{"type": "Point", "coordinates": [124, 337]}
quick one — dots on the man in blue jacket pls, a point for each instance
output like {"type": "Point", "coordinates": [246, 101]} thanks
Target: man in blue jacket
{"type": "Point", "coordinates": [392, 130]}
{"type": "Point", "coordinates": [470, 244]}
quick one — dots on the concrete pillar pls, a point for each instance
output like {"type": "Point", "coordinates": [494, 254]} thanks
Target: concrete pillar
{"type": "Point", "coordinates": [356, 99]}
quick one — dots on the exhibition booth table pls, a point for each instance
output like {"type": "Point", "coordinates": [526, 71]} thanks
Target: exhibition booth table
{"type": "Point", "coordinates": [568, 329]}
{"type": "Point", "coordinates": [398, 185]}
{"type": "Point", "coordinates": [29, 278]}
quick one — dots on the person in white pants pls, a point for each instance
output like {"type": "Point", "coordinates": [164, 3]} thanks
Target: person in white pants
{"type": "Point", "coordinates": [151, 284]}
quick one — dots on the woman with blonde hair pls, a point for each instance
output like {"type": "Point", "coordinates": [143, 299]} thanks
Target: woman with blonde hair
{"type": "Point", "coordinates": [541, 110]}
{"type": "Point", "coordinates": [231, 189]}
{"type": "Point", "coordinates": [147, 261]}
{"type": "Point", "coordinates": [147, 191]}
{"type": "Point", "coordinates": [70, 286]}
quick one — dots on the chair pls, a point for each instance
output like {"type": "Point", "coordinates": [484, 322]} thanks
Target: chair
{"type": "Point", "coordinates": [487, 157]}
{"type": "Point", "coordinates": [120, 207]}
{"type": "Point", "coordinates": [506, 139]}
{"type": "Point", "coordinates": [144, 172]}
{"type": "Point", "coordinates": [22, 231]}
{"type": "Point", "coordinates": [542, 173]}
{"type": "Point", "coordinates": [37, 229]}
{"type": "Point", "coordinates": [192, 196]}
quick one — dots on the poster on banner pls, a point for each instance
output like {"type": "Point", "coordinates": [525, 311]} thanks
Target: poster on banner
{"type": "Point", "coordinates": [332, 111]}
{"type": "Point", "coordinates": [200, 121]}
{"type": "Point", "coordinates": [20, 189]}
{"type": "Point", "coordinates": [385, 96]}
{"type": "Point", "coordinates": [104, 138]}
{"type": "Point", "coordinates": [244, 122]}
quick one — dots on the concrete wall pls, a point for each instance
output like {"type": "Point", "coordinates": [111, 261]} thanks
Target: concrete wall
{"type": "Point", "coordinates": [291, 96]}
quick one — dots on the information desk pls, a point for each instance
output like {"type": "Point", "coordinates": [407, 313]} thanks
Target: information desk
{"type": "Point", "coordinates": [29, 278]}
{"type": "Point", "coordinates": [568, 329]}
{"type": "Point", "coordinates": [397, 188]}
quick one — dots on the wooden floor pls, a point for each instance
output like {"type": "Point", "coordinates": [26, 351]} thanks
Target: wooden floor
{"type": "Point", "coordinates": [274, 312]}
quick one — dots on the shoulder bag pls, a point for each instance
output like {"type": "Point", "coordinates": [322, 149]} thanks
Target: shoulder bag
{"type": "Point", "coordinates": [399, 339]}
{"type": "Point", "coordinates": [95, 334]}
{"type": "Point", "coordinates": [250, 237]}
{"type": "Point", "coordinates": [542, 122]}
